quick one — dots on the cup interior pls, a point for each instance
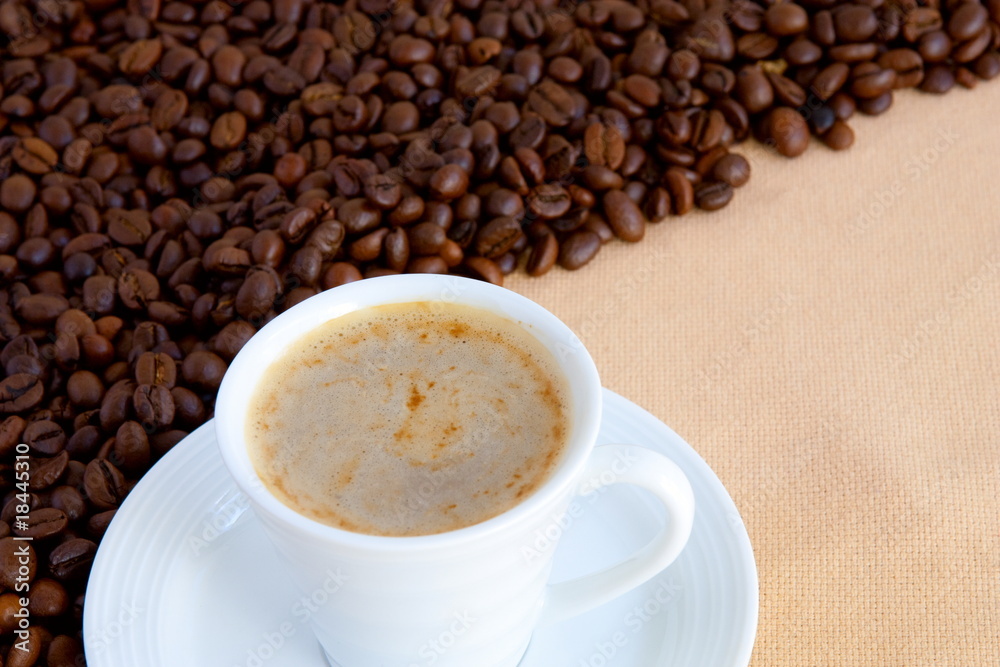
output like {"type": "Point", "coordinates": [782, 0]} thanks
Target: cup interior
{"type": "Point", "coordinates": [272, 340]}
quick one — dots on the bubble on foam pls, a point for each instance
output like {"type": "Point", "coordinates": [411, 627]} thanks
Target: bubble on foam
{"type": "Point", "coordinates": [417, 419]}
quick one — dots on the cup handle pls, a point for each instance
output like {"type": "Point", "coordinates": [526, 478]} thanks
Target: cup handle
{"type": "Point", "coordinates": [629, 464]}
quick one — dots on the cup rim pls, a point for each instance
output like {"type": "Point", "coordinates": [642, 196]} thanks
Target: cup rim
{"type": "Point", "coordinates": [246, 369]}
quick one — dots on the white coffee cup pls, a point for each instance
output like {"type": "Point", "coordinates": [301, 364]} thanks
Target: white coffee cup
{"type": "Point", "coordinates": [470, 597]}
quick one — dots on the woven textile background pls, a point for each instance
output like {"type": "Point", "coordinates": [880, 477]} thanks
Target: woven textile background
{"type": "Point", "coordinates": [830, 344]}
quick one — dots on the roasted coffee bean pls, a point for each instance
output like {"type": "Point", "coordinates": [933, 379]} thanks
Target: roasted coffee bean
{"type": "Point", "coordinates": [228, 130]}
{"type": "Point", "coordinates": [938, 80]}
{"type": "Point", "coordinates": [70, 501]}
{"type": "Point", "coordinates": [45, 437]}
{"type": "Point", "coordinates": [156, 368]}
{"type": "Point", "coordinates": [397, 249]}
{"type": "Point", "coordinates": [732, 169]}
{"type": "Point", "coordinates": [504, 202]}
{"type": "Point", "coordinates": [843, 106]}
{"type": "Point", "coordinates": [449, 182]}
{"type": "Point", "coordinates": [788, 131]}
{"type": "Point", "coordinates": [189, 409]}
{"type": "Point", "coordinates": [753, 89]}
{"type": "Point", "coordinates": [657, 205]}
{"type": "Point", "coordinates": [870, 81]}
{"type": "Point", "coordinates": [20, 392]}
{"type": "Point", "coordinates": [786, 18]}
{"type": "Point", "coordinates": [787, 91]}
{"type": "Point", "coordinates": [681, 190]}
{"type": "Point", "coordinates": [907, 64]}
{"type": "Point", "coordinates": [854, 23]}
{"type": "Point", "coordinates": [116, 406]}
{"type": "Point", "coordinates": [153, 405]}
{"type": "Point", "coordinates": [484, 269]}
{"type": "Point", "coordinates": [41, 308]}
{"type": "Point", "coordinates": [713, 196]}
{"type": "Point", "coordinates": [340, 273]}
{"type": "Point", "coordinates": [625, 217]}
{"type": "Point", "coordinates": [10, 433]}
{"type": "Point", "coordinates": [84, 442]}
{"type": "Point", "coordinates": [17, 193]}
{"type": "Point", "coordinates": [131, 447]}
{"type": "Point", "coordinates": [17, 561]}
{"type": "Point", "coordinates": [829, 80]}
{"type": "Point", "coordinates": [578, 249]}
{"type": "Point", "coordinates": [426, 238]}
{"type": "Point", "coordinates": [46, 472]}
{"type": "Point", "coordinates": [497, 236]}
{"type": "Point", "coordinates": [71, 560]}
{"type": "Point", "coordinates": [604, 145]}
{"type": "Point", "coordinates": [203, 369]}
{"type": "Point", "coordinates": [548, 201]}
{"type": "Point", "coordinates": [839, 137]}
{"type": "Point", "coordinates": [64, 651]}
{"type": "Point", "coordinates": [935, 46]}
{"type": "Point", "coordinates": [137, 288]}
{"type": "Point", "coordinates": [34, 156]}
{"type": "Point", "coordinates": [104, 484]}
{"type": "Point", "coordinates": [359, 216]}
{"type": "Point", "coordinates": [598, 177]}
{"type": "Point", "coordinates": [47, 598]}
{"type": "Point", "coordinates": [10, 611]}
{"type": "Point", "coordinates": [821, 119]}
{"type": "Point", "coordinates": [803, 51]}
{"type": "Point", "coordinates": [987, 66]}
{"type": "Point", "coordinates": [42, 523]}
{"type": "Point", "coordinates": [543, 255]}
{"type": "Point", "coordinates": [425, 264]}
{"type": "Point", "coordinates": [967, 20]}
{"type": "Point", "coordinates": [98, 523]}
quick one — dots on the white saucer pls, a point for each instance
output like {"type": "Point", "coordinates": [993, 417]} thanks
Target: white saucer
{"type": "Point", "coordinates": [185, 578]}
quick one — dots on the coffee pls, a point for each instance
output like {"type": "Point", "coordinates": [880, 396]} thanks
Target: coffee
{"type": "Point", "coordinates": [409, 419]}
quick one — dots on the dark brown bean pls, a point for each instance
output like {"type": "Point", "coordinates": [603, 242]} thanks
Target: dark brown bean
{"type": "Point", "coordinates": [131, 447]}
{"type": "Point", "coordinates": [340, 273]}
{"type": "Point", "coordinates": [604, 145]}
{"type": "Point", "coordinates": [46, 472]}
{"type": "Point", "coordinates": [753, 89]}
{"type": "Point", "coordinates": [15, 555]}
{"type": "Point", "coordinates": [104, 484]}
{"type": "Point", "coordinates": [713, 196]}
{"type": "Point", "coordinates": [153, 406]}
{"type": "Point", "coordinates": [829, 80]}
{"type": "Point", "coordinates": [203, 369]}
{"type": "Point", "coordinates": [71, 560]}
{"type": "Point", "coordinates": [20, 392]}
{"type": "Point", "coordinates": [543, 255]}
{"type": "Point", "coordinates": [549, 201]}
{"type": "Point", "coordinates": [578, 249]}
{"type": "Point", "coordinates": [839, 137]}
{"type": "Point", "coordinates": [497, 236]}
{"type": "Point", "coordinates": [938, 80]}
{"type": "Point", "coordinates": [47, 598]}
{"type": "Point", "coordinates": [732, 169]}
{"type": "Point", "coordinates": [45, 437]}
{"type": "Point", "coordinates": [70, 501]}
{"type": "Point", "coordinates": [42, 523]}
{"type": "Point", "coordinates": [788, 131]}
{"type": "Point", "coordinates": [625, 217]}
{"type": "Point", "coordinates": [681, 191]}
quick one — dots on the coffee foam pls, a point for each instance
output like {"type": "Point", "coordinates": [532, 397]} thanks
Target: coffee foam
{"type": "Point", "coordinates": [409, 419]}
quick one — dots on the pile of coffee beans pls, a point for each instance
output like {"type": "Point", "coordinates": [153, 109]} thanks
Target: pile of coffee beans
{"type": "Point", "coordinates": [175, 173]}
